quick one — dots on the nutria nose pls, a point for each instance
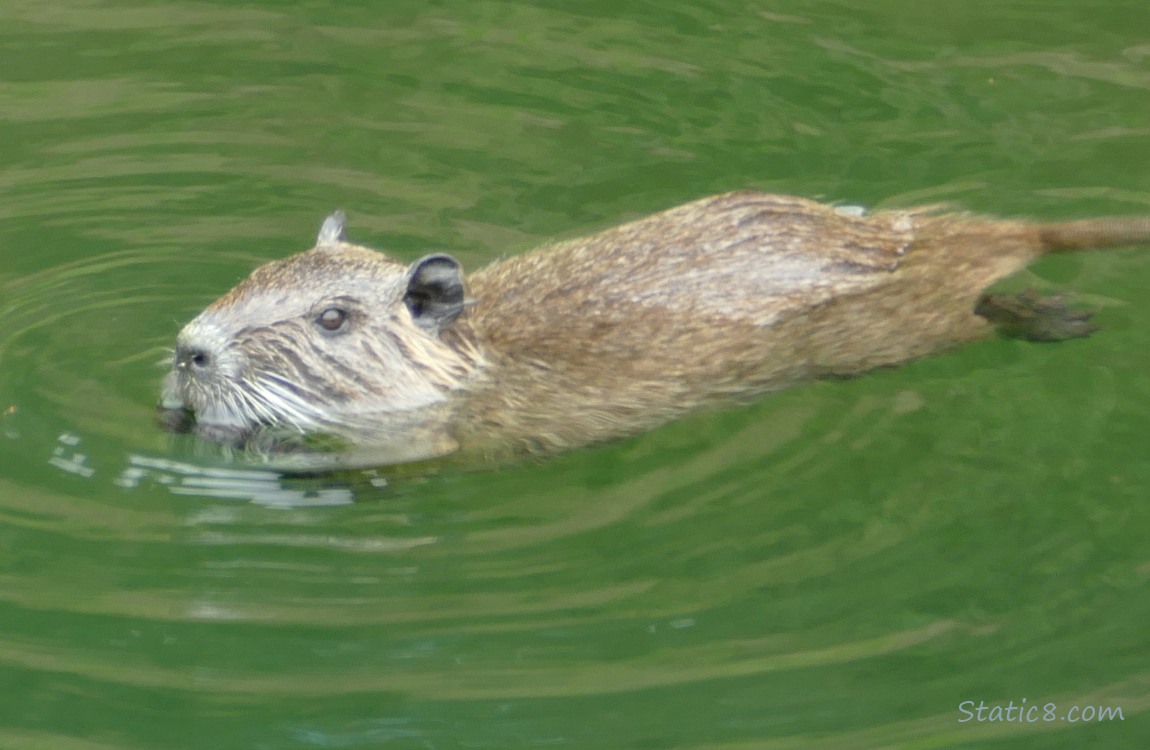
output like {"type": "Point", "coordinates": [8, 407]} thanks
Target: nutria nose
{"type": "Point", "coordinates": [193, 357]}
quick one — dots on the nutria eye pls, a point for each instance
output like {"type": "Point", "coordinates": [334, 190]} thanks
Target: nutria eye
{"type": "Point", "coordinates": [332, 319]}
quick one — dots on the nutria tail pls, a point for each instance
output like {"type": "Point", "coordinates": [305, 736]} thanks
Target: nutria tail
{"type": "Point", "coordinates": [1095, 234]}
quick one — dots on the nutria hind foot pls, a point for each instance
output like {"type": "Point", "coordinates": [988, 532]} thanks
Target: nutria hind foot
{"type": "Point", "coordinates": [1034, 317]}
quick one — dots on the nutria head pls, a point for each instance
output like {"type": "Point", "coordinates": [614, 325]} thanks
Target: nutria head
{"type": "Point", "coordinates": [338, 340]}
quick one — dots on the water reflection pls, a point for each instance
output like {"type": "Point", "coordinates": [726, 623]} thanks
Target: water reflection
{"type": "Point", "coordinates": [259, 486]}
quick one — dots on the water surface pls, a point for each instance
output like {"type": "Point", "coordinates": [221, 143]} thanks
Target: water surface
{"type": "Point", "coordinates": [839, 566]}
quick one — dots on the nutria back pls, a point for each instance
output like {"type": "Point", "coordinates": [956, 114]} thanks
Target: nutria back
{"type": "Point", "coordinates": [725, 298]}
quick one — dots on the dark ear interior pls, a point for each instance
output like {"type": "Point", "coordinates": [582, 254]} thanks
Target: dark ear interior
{"type": "Point", "coordinates": [435, 292]}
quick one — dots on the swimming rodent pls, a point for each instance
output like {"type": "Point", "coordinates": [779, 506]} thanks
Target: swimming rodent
{"type": "Point", "coordinates": [725, 298]}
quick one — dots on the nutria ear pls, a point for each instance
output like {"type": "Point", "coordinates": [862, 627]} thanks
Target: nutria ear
{"type": "Point", "coordinates": [334, 229]}
{"type": "Point", "coordinates": [435, 292]}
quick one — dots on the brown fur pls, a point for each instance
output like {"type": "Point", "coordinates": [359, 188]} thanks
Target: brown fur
{"type": "Point", "coordinates": [727, 297]}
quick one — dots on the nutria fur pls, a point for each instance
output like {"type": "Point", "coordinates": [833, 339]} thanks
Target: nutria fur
{"type": "Point", "coordinates": [724, 298]}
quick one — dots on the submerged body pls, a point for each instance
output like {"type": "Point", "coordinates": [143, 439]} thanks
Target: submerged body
{"type": "Point", "coordinates": [725, 298]}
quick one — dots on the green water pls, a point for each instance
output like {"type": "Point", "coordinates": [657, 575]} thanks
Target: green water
{"type": "Point", "coordinates": [839, 566]}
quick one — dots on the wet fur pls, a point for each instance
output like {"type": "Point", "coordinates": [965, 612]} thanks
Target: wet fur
{"type": "Point", "coordinates": [596, 338]}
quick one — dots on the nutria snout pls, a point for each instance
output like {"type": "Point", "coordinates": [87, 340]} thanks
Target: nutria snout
{"type": "Point", "coordinates": [597, 338]}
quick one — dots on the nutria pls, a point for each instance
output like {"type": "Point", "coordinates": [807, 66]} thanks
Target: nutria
{"type": "Point", "coordinates": [597, 338]}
